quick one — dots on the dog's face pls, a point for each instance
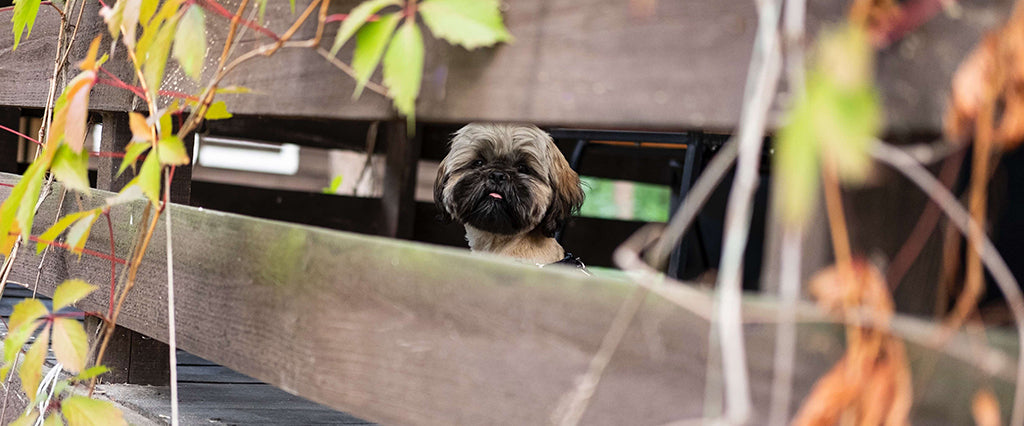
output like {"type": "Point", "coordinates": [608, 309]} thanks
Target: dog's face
{"type": "Point", "coordinates": [506, 179]}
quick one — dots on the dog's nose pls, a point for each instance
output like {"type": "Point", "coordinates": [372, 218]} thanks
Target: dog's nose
{"type": "Point", "coordinates": [499, 177]}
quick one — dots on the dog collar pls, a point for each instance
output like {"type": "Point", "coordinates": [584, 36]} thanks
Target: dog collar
{"type": "Point", "coordinates": [570, 260]}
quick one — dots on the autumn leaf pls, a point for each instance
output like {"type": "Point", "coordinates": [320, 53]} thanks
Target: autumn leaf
{"type": "Point", "coordinates": [172, 152]}
{"type": "Point", "coordinates": [370, 44]}
{"type": "Point", "coordinates": [72, 111]}
{"type": "Point", "coordinates": [58, 228]}
{"type": "Point", "coordinates": [127, 195]}
{"type": "Point", "coordinates": [131, 155]}
{"type": "Point", "coordinates": [90, 372]}
{"type": "Point", "coordinates": [469, 23]}
{"type": "Point", "coordinates": [27, 419]}
{"type": "Point", "coordinates": [217, 111]}
{"type": "Point", "coordinates": [78, 234]}
{"type": "Point", "coordinates": [156, 58]}
{"type": "Point", "coordinates": [985, 408]}
{"type": "Point", "coordinates": [33, 179]}
{"type": "Point", "coordinates": [148, 179]}
{"type": "Point", "coordinates": [24, 18]}
{"type": "Point", "coordinates": [130, 20]}
{"type": "Point", "coordinates": [355, 20]}
{"type": "Point", "coordinates": [90, 63]}
{"type": "Point", "coordinates": [114, 16]}
{"type": "Point", "coordinates": [54, 419]}
{"type": "Point", "coordinates": [69, 292]}
{"type": "Point", "coordinates": [403, 69]}
{"type": "Point", "coordinates": [22, 324]}
{"type": "Point", "coordinates": [72, 168]}
{"type": "Point", "coordinates": [139, 127]}
{"type": "Point", "coordinates": [83, 411]}
{"type": "Point", "coordinates": [31, 370]}
{"type": "Point", "coordinates": [190, 42]}
{"type": "Point", "coordinates": [70, 344]}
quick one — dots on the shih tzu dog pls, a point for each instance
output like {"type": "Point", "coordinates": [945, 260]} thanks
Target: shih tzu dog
{"type": "Point", "coordinates": [511, 188]}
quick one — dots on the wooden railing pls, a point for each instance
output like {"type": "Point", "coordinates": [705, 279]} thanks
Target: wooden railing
{"type": "Point", "coordinates": [407, 333]}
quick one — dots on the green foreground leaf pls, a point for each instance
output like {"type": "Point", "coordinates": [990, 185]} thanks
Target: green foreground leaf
{"type": "Point", "coordinates": [25, 12]}
{"type": "Point", "coordinates": [469, 23]}
{"type": "Point", "coordinates": [403, 69]}
{"type": "Point", "coordinates": [370, 44]}
{"type": "Point", "coordinates": [83, 411]}
{"type": "Point", "coordinates": [355, 20]}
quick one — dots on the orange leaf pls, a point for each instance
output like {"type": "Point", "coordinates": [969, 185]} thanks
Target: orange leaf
{"type": "Point", "coordinates": [140, 129]}
{"type": "Point", "coordinates": [985, 408]}
{"type": "Point", "coordinates": [89, 63]}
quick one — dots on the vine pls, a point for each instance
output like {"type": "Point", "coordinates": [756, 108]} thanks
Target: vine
{"type": "Point", "coordinates": [385, 31]}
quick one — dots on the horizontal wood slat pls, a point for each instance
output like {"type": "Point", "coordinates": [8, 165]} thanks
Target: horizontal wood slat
{"type": "Point", "coordinates": [406, 333]}
{"type": "Point", "coordinates": [573, 63]}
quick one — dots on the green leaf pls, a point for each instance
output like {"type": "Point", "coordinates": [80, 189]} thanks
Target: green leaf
{"type": "Point", "coordinates": [172, 152]}
{"type": "Point", "coordinates": [27, 419]}
{"type": "Point", "coordinates": [27, 207]}
{"type": "Point", "coordinates": [83, 411]}
{"type": "Point", "coordinates": [79, 232]}
{"type": "Point", "coordinates": [72, 168]}
{"type": "Point", "coordinates": [54, 231]}
{"type": "Point", "coordinates": [262, 4]}
{"type": "Point", "coordinates": [190, 42]}
{"type": "Point", "coordinates": [333, 187]}
{"type": "Point", "coordinates": [25, 12]}
{"type": "Point", "coordinates": [31, 370]}
{"type": "Point", "coordinates": [370, 44]}
{"type": "Point", "coordinates": [166, 127]}
{"type": "Point", "coordinates": [403, 69]}
{"type": "Point", "coordinates": [146, 11]}
{"type": "Point", "coordinates": [796, 166]}
{"type": "Point", "coordinates": [54, 419]}
{"type": "Point", "coordinates": [291, 3]}
{"type": "Point", "coordinates": [470, 23]}
{"type": "Point", "coordinates": [156, 60]}
{"type": "Point", "coordinates": [69, 292]}
{"type": "Point", "coordinates": [355, 20]}
{"type": "Point", "coordinates": [70, 344]}
{"type": "Point", "coordinates": [148, 179]}
{"type": "Point", "coordinates": [217, 111]}
{"type": "Point", "coordinates": [90, 372]}
{"type": "Point", "coordinates": [10, 226]}
{"type": "Point", "coordinates": [131, 155]}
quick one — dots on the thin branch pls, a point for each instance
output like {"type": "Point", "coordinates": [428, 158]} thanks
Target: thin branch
{"type": "Point", "coordinates": [172, 341]}
{"type": "Point", "coordinates": [785, 338]}
{"type": "Point", "coordinates": [347, 69]}
{"type": "Point", "coordinates": [983, 246]}
{"type": "Point", "coordinates": [762, 80]}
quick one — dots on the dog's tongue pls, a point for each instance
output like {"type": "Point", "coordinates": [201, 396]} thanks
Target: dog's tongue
{"type": "Point", "coordinates": [495, 195]}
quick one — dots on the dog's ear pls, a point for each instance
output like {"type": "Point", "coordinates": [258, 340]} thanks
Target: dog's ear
{"type": "Point", "coordinates": [439, 183]}
{"type": "Point", "coordinates": [567, 193]}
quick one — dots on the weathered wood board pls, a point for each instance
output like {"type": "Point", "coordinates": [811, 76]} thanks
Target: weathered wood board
{"type": "Point", "coordinates": [406, 333]}
{"type": "Point", "coordinates": [573, 63]}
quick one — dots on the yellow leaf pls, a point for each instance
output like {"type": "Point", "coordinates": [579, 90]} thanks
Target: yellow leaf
{"type": "Point", "coordinates": [82, 411]}
{"type": "Point", "coordinates": [70, 344]}
{"type": "Point", "coordinates": [27, 419]}
{"type": "Point", "coordinates": [172, 152]}
{"type": "Point", "coordinates": [89, 63]}
{"type": "Point", "coordinates": [140, 128]}
{"type": "Point", "coordinates": [54, 420]}
{"type": "Point", "coordinates": [69, 292]}
{"type": "Point", "coordinates": [31, 371]}
{"type": "Point", "coordinates": [26, 311]}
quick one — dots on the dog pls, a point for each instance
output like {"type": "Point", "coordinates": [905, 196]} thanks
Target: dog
{"type": "Point", "coordinates": [511, 188]}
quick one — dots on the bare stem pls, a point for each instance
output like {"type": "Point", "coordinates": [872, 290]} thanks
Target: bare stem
{"type": "Point", "coordinates": [903, 163]}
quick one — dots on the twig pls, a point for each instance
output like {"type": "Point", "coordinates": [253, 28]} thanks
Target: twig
{"type": "Point", "coordinates": [995, 264]}
{"type": "Point", "coordinates": [785, 338]}
{"type": "Point", "coordinates": [42, 259]}
{"type": "Point", "coordinates": [762, 79]}
{"type": "Point", "coordinates": [345, 68]}
{"type": "Point", "coordinates": [172, 341]}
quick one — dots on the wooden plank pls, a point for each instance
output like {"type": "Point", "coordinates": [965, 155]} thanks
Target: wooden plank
{"type": "Point", "coordinates": [237, 404]}
{"type": "Point", "coordinates": [399, 332]}
{"type": "Point", "coordinates": [398, 203]}
{"type": "Point", "coordinates": [574, 62]}
{"type": "Point", "coordinates": [132, 357]}
{"type": "Point", "coordinates": [10, 118]}
{"type": "Point", "coordinates": [212, 374]}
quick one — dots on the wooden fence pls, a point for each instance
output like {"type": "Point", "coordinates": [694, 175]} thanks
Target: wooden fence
{"type": "Point", "coordinates": [401, 332]}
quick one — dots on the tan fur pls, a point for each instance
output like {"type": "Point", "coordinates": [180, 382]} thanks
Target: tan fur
{"type": "Point", "coordinates": [556, 193]}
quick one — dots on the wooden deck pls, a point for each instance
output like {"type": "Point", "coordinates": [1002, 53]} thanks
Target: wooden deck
{"type": "Point", "coordinates": [210, 394]}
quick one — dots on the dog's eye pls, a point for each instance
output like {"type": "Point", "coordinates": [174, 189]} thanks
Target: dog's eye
{"type": "Point", "coordinates": [477, 163]}
{"type": "Point", "coordinates": [524, 169]}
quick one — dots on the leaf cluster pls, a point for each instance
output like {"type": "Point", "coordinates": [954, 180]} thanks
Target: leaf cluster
{"type": "Point", "coordinates": [67, 338]}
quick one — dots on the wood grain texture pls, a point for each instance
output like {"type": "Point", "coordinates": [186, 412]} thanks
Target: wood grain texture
{"type": "Point", "coordinates": [400, 332]}
{"type": "Point", "coordinates": [573, 62]}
